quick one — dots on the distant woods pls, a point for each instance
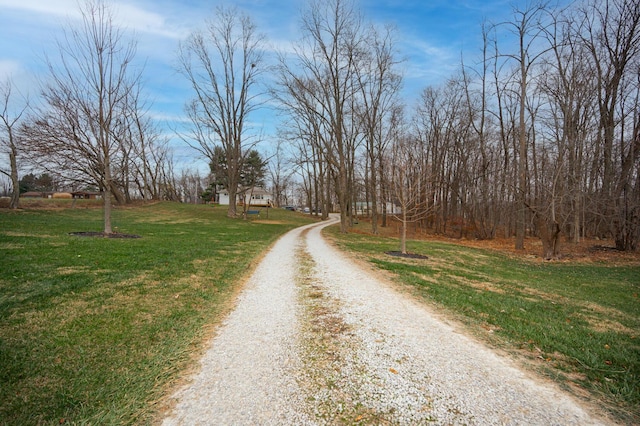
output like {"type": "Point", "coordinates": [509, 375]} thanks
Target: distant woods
{"type": "Point", "coordinates": [538, 135]}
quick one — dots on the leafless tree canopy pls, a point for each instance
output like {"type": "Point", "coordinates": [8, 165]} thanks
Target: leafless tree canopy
{"type": "Point", "coordinates": [222, 64]}
{"type": "Point", "coordinates": [340, 82]}
{"type": "Point", "coordinates": [92, 129]}
{"type": "Point", "coordinates": [538, 136]}
{"type": "Point", "coordinates": [12, 111]}
{"type": "Point", "coordinates": [541, 139]}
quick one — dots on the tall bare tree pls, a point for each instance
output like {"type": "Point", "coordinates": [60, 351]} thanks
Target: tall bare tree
{"type": "Point", "coordinates": [10, 141]}
{"type": "Point", "coordinates": [379, 83]}
{"type": "Point", "coordinates": [280, 173]}
{"type": "Point", "coordinates": [322, 77]}
{"type": "Point", "coordinates": [75, 132]}
{"type": "Point", "coordinates": [528, 27]}
{"type": "Point", "coordinates": [407, 181]}
{"type": "Point", "coordinates": [610, 30]}
{"type": "Point", "coordinates": [569, 87]}
{"type": "Point", "coordinates": [223, 64]}
{"type": "Point", "coordinates": [477, 96]}
{"type": "Point", "coordinates": [144, 152]}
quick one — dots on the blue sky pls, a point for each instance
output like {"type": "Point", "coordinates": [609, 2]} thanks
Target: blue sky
{"type": "Point", "coordinates": [431, 35]}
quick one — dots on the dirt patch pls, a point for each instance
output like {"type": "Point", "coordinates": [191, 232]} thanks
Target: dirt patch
{"type": "Point", "coordinates": [69, 270]}
{"type": "Point", "coordinates": [406, 255]}
{"type": "Point", "coordinates": [103, 235]}
{"type": "Point", "coordinates": [268, 222]}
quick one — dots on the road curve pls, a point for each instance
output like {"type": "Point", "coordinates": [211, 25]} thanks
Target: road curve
{"type": "Point", "coordinates": [316, 340]}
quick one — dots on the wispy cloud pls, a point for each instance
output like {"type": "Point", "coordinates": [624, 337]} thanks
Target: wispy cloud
{"type": "Point", "coordinates": [50, 7]}
{"type": "Point", "coordinates": [8, 69]}
{"type": "Point", "coordinates": [126, 14]}
{"type": "Point", "coordinates": [426, 64]}
{"type": "Point", "coordinates": [145, 21]}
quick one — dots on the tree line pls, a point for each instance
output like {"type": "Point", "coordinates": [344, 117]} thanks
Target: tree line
{"type": "Point", "coordinates": [540, 136]}
{"type": "Point", "coordinates": [537, 136]}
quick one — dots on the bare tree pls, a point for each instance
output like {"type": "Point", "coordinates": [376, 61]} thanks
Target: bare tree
{"type": "Point", "coordinates": [407, 180]}
{"type": "Point", "coordinates": [309, 131]}
{"type": "Point", "coordinates": [440, 126]}
{"type": "Point", "coordinates": [280, 174]}
{"type": "Point", "coordinates": [477, 101]}
{"type": "Point", "coordinates": [10, 140]}
{"type": "Point", "coordinates": [222, 64]}
{"type": "Point", "coordinates": [75, 133]}
{"type": "Point", "coordinates": [191, 186]}
{"type": "Point", "coordinates": [568, 118]}
{"type": "Point", "coordinates": [610, 31]}
{"type": "Point", "coordinates": [528, 27]}
{"type": "Point", "coordinates": [379, 84]}
{"type": "Point", "coordinates": [322, 79]}
{"type": "Point", "coordinates": [145, 153]}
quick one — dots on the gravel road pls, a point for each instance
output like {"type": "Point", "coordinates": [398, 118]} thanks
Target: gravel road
{"type": "Point", "coordinates": [316, 340]}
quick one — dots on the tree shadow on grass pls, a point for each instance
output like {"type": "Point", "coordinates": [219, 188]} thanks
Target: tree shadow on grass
{"type": "Point", "coordinates": [103, 235]}
{"type": "Point", "coordinates": [406, 255]}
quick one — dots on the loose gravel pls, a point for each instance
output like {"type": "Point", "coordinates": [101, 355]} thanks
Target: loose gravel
{"type": "Point", "coordinates": [316, 340]}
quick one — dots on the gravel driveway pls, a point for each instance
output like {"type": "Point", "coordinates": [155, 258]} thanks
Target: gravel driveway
{"type": "Point", "coordinates": [316, 340]}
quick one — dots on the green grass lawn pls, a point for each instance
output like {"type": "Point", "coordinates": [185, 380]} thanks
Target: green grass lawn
{"type": "Point", "coordinates": [576, 323]}
{"type": "Point", "coordinates": [95, 330]}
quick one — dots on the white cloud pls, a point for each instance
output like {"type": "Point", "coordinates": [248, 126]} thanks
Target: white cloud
{"type": "Point", "coordinates": [168, 117]}
{"type": "Point", "coordinates": [144, 21]}
{"type": "Point", "coordinates": [426, 63]}
{"type": "Point", "coordinates": [8, 69]}
{"type": "Point", "coordinates": [126, 14]}
{"type": "Point", "coordinates": [50, 7]}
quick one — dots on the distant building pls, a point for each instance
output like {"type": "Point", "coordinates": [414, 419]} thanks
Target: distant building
{"type": "Point", "coordinates": [62, 195]}
{"type": "Point", "coordinates": [86, 195]}
{"type": "Point", "coordinates": [78, 195]}
{"type": "Point", "coordinates": [36, 194]}
{"type": "Point", "coordinates": [364, 209]}
{"type": "Point", "coordinates": [259, 197]}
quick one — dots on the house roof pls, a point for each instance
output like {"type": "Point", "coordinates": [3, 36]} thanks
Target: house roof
{"type": "Point", "coordinates": [34, 194]}
{"type": "Point", "coordinates": [260, 191]}
{"type": "Point", "coordinates": [256, 191]}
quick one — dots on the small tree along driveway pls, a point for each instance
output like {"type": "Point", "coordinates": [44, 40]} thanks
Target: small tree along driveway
{"type": "Point", "coordinates": [315, 339]}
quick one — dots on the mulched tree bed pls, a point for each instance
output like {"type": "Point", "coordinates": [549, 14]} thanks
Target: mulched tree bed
{"type": "Point", "coordinates": [406, 255]}
{"type": "Point", "coordinates": [103, 235]}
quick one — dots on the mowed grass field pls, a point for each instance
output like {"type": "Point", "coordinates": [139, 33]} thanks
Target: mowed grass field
{"type": "Point", "coordinates": [99, 331]}
{"type": "Point", "coordinates": [577, 323]}
{"type": "Point", "coordinates": [96, 330]}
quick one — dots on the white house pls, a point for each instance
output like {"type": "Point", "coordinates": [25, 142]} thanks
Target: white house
{"type": "Point", "coordinates": [258, 197]}
{"type": "Point", "coordinates": [364, 209]}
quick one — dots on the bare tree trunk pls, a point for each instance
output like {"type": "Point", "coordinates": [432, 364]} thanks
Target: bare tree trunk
{"type": "Point", "coordinates": [15, 182]}
{"type": "Point", "coordinates": [106, 194]}
{"type": "Point", "coordinates": [383, 191]}
{"type": "Point", "coordinates": [549, 231]}
{"type": "Point", "coordinates": [372, 193]}
{"type": "Point", "coordinates": [403, 233]}
{"type": "Point", "coordinates": [527, 26]}
{"type": "Point", "coordinates": [9, 140]}
{"type": "Point", "coordinates": [522, 145]}
{"type": "Point", "coordinates": [106, 205]}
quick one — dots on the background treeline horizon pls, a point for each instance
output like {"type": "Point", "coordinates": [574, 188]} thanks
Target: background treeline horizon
{"type": "Point", "coordinates": [539, 135]}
